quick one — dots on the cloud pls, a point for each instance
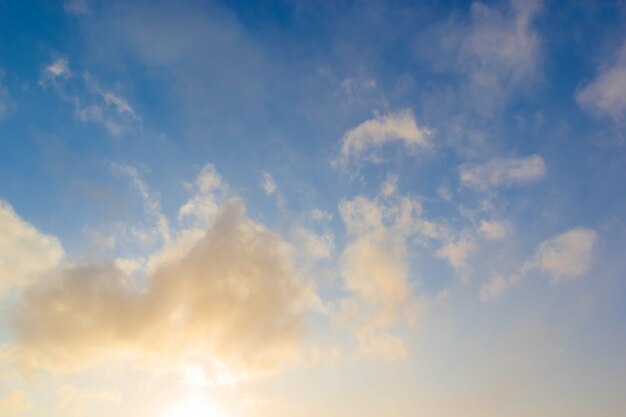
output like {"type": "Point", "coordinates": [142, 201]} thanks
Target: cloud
{"type": "Point", "coordinates": [375, 269]}
{"type": "Point", "coordinates": [15, 402]}
{"type": "Point", "coordinates": [492, 289]}
{"type": "Point", "coordinates": [75, 399]}
{"type": "Point", "coordinates": [496, 51]}
{"type": "Point", "coordinates": [59, 68]}
{"type": "Point", "coordinates": [25, 252]}
{"type": "Point", "coordinates": [503, 172]}
{"type": "Point", "coordinates": [268, 184]}
{"type": "Point", "coordinates": [314, 245]}
{"type": "Point", "coordinates": [231, 297]}
{"type": "Point", "coordinates": [202, 208]}
{"type": "Point", "coordinates": [94, 104]}
{"type": "Point", "coordinates": [563, 257]}
{"type": "Point", "coordinates": [606, 95]}
{"type": "Point", "coordinates": [495, 230]}
{"type": "Point", "coordinates": [4, 97]}
{"type": "Point", "coordinates": [566, 256]}
{"type": "Point", "coordinates": [458, 252]}
{"type": "Point", "coordinates": [363, 141]}
{"type": "Point", "coordinates": [151, 202]}
{"type": "Point", "coordinates": [76, 7]}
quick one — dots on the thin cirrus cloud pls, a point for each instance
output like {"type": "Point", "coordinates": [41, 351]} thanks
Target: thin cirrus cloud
{"type": "Point", "coordinates": [502, 172]}
{"type": "Point", "coordinates": [4, 96]}
{"type": "Point", "coordinates": [495, 52]}
{"type": "Point", "coordinates": [96, 104]}
{"type": "Point", "coordinates": [606, 95]}
{"type": "Point", "coordinates": [364, 141]}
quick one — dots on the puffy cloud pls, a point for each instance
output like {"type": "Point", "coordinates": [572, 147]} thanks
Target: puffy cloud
{"type": "Point", "coordinates": [606, 95]}
{"type": "Point", "coordinates": [495, 230]}
{"type": "Point", "coordinates": [375, 269]}
{"type": "Point", "coordinates": [566, 256]}
{"type": "Point", "coordinates": [372, 134]}
{"type": "Point", "coordinates": [59, 68]}
{"type": "Point", "coordinates": [503, 172]}
{"type": "Point", "coordinates": [25, 252]}
{"type": "Point", "coordinates": [563, 257]}
{"type": "Point", "coordinates": [231, 297]}
{"type": "Point", "coordinates": [458, 252]}
{"type": "Point", "coordinates": [314, 245]}
{"type": "Point", "coordinates": [268, 184]}
{"type": "Point", "coordinates": [15, 402]}
{"type": "Point", "coordinates": [492, 289]}
{"type": "Point", "coordinates": [202, 207]}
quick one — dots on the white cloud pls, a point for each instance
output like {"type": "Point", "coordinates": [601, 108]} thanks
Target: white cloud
{"type": "Point", "coordinates": [495, 230]}
{"type": "Point", "coordinates": [15, 402]}
{"type": "Point", "coordinates": [94, 104]}
{"type": "Point", "coordinates": [318, 215]}
{"type": "Point", "coordinates": [230, 297]}
{"type": "Point", "coordinates": [503, 172]}
{"type": "Point", "coordinates": [566, 256]}
{"type": "Point", "coordinates": [606, 95]}
{"type": "Point", "coordinates": [59, 68]}
{"type": "Point", "coordinates": [497, 51]}
{"type": "Point", "coordinates": [25, 252]}
{"type": "Point", "coordinates": [202, 208]}
{"type": "Point", "coordinates": [492, 289]}
{"type": "Point", "coordinates": [313, 245]}
{"type": "Point", "coordinates": [375, 269]}
{"type": "Point", "coordinates": [268, 184]}
{"type": "Point", "coordinates": [458, 252]}
{"type": "Point", "coordinates": [151, 202]}
{"type": "Point", "coordinates": [365, 140]}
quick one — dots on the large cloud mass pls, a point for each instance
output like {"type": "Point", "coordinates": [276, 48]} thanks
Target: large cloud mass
{"type": "Point", "coordinates": [25, 252]}
{"type": "Point", "coordinates": [232, 297]}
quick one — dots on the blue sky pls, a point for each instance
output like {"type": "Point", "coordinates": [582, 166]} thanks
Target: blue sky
{"type": "Point", "coordinates": [302, 207]}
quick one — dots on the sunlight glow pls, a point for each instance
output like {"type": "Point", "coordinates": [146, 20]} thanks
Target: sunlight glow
{"type": "Point", "coordinates": [194, 406]}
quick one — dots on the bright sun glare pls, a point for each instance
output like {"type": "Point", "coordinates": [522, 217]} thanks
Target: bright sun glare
{"type": "Point", "coordinates": [194, 406]}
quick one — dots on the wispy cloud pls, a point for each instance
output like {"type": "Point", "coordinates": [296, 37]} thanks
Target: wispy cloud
{"type": "Point", "coordinates": [566, 256]}
{"type": "Point", "coordinates": [496, 51]}
{"type": "Point", "coordinates": [92, 103]}
{"type": "Point", "coordinates": [563, 257]}
{"type": "Point", "coordinates": [151, 201]}
{"type": "Point", "coordinates": [364, 141]}
{"type": "Point", "coordinates": [15, 402]}
{"type": "Point", "coordinates": [4, 96]}
{"type": "Point", "coordinates": [606, 95]}
{"type": "Point", "coordinates": [503, 172]}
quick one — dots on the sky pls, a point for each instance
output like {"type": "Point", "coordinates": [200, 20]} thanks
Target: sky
{"type": "Point", "coordinates": [309, 208]}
